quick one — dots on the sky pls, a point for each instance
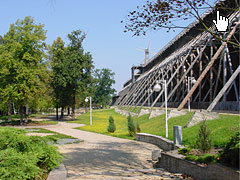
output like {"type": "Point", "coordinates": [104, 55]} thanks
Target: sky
{"type": "Point", "coordinates": [100, 19]}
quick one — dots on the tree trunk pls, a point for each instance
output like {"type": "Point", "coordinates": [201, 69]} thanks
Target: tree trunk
{"type": "Point", "coordinates": [9, 110]}
{"type": "Point", "coordinates": [14, 111]}
{"type": "Point", "coordinates": [27, 110]}
{"type": "Point", "coordinates": [21, 115]}
{"type": "Point", "coordinates": [57, 113]}
{"type": "Point", "coordinates": [73, 107]}
{"type": "Point", "coordinates": [62, 112]}
{"type": "Point", "coordinates": [68, 111]}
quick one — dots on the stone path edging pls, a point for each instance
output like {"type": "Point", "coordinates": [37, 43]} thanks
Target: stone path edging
{"type": "Point", "coordinates": [59, 173]}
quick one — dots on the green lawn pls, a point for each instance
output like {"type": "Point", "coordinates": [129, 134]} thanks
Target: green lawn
{"type": "Point", "coordinates": [55, 134]}
{"type": "Point", "coordinates": [221, 128]}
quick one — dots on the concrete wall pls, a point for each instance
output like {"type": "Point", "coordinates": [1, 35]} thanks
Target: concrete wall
{"type": "Point", "coordinates": [161, 142]}
{"type": "Point", "coordinates": [176, 164]}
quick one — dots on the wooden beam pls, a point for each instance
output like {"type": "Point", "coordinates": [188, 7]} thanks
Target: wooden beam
{"type": "Point", "coordinates": [223, 90]}
{"type": "Point", "coordinates": [210, 64]}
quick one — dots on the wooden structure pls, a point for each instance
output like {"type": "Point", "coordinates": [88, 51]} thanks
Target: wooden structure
{"type": "Point", "coordinates": [193, 53]}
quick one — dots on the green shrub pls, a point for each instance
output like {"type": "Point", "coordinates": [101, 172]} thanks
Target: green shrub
{"type": "Point", "coordinates": [230, 153]}
{"type": "Point", "coordinates": [111, 126]}
{"type": "Point", "coordinates": [184, 151]}
{"type": "Point", "coordinates": [24, 157]}
{"type": "Point", "coordinates": [131, 127]}
{"type": "Point", "coordinates": [204, 141]}
{"type": "Point", "coordinates": [191, 157]}
{"type": "Point", "coordinates": [206, 158]}
{"type": "Point", "coordinates": [16, 165]}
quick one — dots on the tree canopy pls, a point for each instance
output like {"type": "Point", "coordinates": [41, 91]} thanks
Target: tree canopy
{"type": "Point", "coordinates": [21, 61]}
{"type": "Point", "coordinates": [104, 91]}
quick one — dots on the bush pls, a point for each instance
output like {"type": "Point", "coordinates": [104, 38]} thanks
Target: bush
{"type": "Point", "coordinates": [25, 157]}
{"type": "Point", "coordinates": [138, 126]}
{"type": "Point", "coordinates": [184, 151]}
{"type": "Point", "coordinates": [111, 126]}
{"type": "Point", "coordinates": [131, 127]}
{"type": "Point", "coordinates": [204, 141]}
{"type": "Point", "coordinates": [206, 158]}
{"type": "Point", "coordinates": [230, 153]}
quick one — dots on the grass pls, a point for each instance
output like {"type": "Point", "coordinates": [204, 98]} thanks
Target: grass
{"type": "Point", "coordinates": [56, 134]}
{"type": "Point", "coordinates": [12, 116]}
{"type": "Point", "coordinates": [221, 129]}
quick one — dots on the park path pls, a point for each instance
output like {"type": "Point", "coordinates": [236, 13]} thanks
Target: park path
{"type": "Point", "coordinates": [106, 157]}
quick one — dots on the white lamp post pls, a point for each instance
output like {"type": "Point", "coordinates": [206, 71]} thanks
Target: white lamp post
{"type": "Point", "coordinates": [157, 88]}
{"type": "Point", "coordinates": [191, 80]}
{"type": "Point", "coordinates": [86, 100]}
{"type": "Point", "coordinates": [149, 100]}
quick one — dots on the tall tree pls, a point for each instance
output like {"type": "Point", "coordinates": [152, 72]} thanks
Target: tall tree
{"type": "Point", "coordinates": [80, 65]}
{"type": "Point", "coordinates": [104, 91]}
{"type": "Point", "coordinates": [59, 73]}
{"type": "Point", "coordinates": [22, 55]}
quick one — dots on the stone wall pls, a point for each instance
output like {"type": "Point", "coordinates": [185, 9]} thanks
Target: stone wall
{"type": "Point", "coordinates": [175, 163]}
{"type": "Point", "coordinates": [160, 141]}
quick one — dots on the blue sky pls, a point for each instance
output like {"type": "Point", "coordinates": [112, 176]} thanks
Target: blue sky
{"type": "Point", "coordinates": [109, 45]}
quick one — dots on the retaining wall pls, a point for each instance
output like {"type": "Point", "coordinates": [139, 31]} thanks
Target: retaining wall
{"type": "Point", "coordinates": [161, 142]}
{"type": "Point", "coordinates": [210, 172]}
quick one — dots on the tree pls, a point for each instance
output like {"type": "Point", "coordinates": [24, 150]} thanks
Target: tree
{"type": "Point", "coordinates": [204, 141]}
{"type": "Point", "coordinates": [104, 91]}
{"type": "Point", "coordinates": [157, 14]}
{"type": "Point", "coordinates": [60, 71]}
{"type": "Point", "coordinates": [80, 65]}
{"type": "Point", "coordinates": [111, 126]}
{"type": "Point", "coordinates": [131, 127]}
{"type": "Point", "coordinates": [21, 60]}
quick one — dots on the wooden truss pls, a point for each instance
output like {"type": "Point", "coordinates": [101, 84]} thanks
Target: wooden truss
{"type": "Point", "coordinates": [214, 65]}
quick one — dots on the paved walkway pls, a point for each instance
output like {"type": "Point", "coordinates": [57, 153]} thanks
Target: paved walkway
{"type": "Point", "coordinates": [106, 157]}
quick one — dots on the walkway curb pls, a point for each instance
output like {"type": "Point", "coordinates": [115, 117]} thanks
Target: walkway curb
{"type": "Point", "coordinates": [59, 173]}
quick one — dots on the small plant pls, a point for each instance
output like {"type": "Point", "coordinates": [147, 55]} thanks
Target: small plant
{"type": "Point", "coordinates": [111, 126]}
{"type": "Point", "coordinates": [230, 153]}
{"type": "Point", "coordinates": [138, 126]}
{"type": "Point", "coordinates": [206, 158]}
{"type": "Point", "coordinates": [184, 151]}
{"type": "Point", "coordinates": [131, 127]}
{"type": "Point", "coordinates": [204, 142]}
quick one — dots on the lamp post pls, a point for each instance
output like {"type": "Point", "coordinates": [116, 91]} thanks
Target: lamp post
{"type": "Point", "coordinates": [157, 88]}
{"type": "Point", "coordinates": [149, 100]}
{"type": "Point", "coordinates": [191, 80]}
{"type": "Point", "coordinates": [86, 100]}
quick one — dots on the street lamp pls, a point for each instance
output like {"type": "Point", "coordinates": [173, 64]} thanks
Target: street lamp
{"type": "Point", "coordinates": [86, 100]}
{"type": "Point", "coordinates": [149, 100]}
{"type": "Point", "coordinates": [157, 88]}
{"type": "Point", "coordinates": [191, 80]}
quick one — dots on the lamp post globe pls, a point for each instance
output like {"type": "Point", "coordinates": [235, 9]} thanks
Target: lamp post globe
{"type": "Point", "coordinates": [157, 87]}
{"type": "Point", "coordinates": [86, 100]}
{"type": "Point", "coordinates": [194, 81]}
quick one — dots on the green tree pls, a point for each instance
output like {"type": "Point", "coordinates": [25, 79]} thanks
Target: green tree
{"type": "Point", "coordinates": [21, 57]}
{"type": "Point", "coordinates": [111, 126]}
{"type": "Point", "coordinates": [104, 91]}
{"type": "Point", "coordinates": [204, 142]}
{"type": "Point", "coordinates": [60, 71]}
{"type": "Point", "coordinates": [131, 127]}
{"type": "Point", "coordinates": [80, 65]}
